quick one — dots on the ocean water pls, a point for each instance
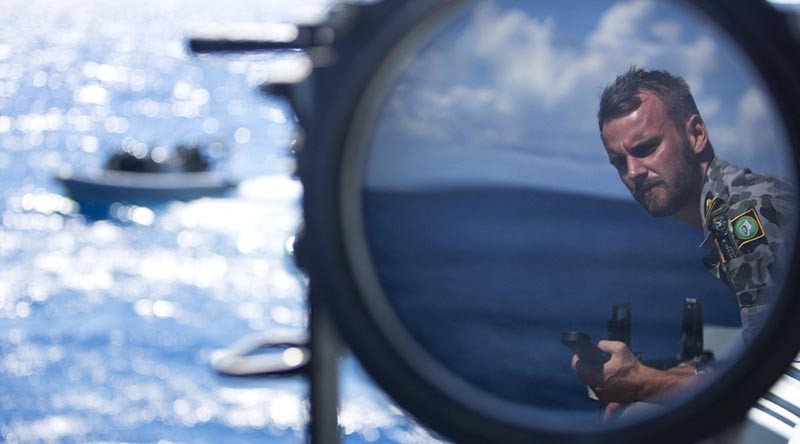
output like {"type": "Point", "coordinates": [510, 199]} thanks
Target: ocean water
{"type": "Point", "coordinates": [107, 321]}
{"type": "Point", "coordinates": [487, 279]}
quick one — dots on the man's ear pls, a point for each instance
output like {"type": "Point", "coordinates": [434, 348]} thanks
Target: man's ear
{"type": "Point", "coordinates": [696, 133]}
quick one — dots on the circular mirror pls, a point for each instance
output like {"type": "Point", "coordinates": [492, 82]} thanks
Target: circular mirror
{"type": "Point", "coordinates": [520, 180]}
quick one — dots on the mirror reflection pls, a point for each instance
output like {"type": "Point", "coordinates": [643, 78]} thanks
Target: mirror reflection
{"type": "Point", "coordinates": [543, 176]}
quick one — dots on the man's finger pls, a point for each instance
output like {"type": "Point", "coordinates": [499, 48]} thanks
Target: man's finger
{"type": "Point", "coordinates": [611, 346]}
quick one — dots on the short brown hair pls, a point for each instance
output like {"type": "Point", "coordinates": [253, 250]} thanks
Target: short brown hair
{"type": "Point", "coordinates": [621, 97]}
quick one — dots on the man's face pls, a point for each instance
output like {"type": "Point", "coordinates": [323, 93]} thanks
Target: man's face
{"type": "Point", "coordinates": [653, 158]}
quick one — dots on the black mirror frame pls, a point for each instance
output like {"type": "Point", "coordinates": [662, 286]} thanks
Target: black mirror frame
{"type": "Point", "coordinates": [416, 383]}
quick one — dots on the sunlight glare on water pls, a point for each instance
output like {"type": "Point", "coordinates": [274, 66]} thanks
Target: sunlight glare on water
{"type": "Point", "coordinates": [109, 319]}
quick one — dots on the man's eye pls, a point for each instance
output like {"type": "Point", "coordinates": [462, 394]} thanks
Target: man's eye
{"type": "Point", "coordinates": [619, 164]}
{"type": "Point", "coordinates": [645, 150]}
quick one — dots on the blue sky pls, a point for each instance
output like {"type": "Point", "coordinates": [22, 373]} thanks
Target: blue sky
{"type": "Point", "coordinates": [508, 95]}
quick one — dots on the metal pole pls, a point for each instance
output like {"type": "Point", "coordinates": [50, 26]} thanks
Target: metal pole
{"type": "Point", "coordinates": [326, 348]}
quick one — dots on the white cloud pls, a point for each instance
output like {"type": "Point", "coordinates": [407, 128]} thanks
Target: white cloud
{"type": "Point", "coordinates": [667, 31]}
{"type": "Point", "coordinates": [755, 137]}
{"type": "Point", "coordinates": [708, 106]}
{"type": "Point", "coordinates": [527, 68]}
{"type": "Point", "coordinates": [512, 82]}
{"type": "Point", "coordinates": [697, 60]}
{"type": "Point", "coordinates": [753, 105]}
{"type": "Point", "coordinates": [621, 24]}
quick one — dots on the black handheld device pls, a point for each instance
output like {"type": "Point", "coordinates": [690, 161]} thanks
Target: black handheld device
{"type": "Point", "coordinates": [581, 344]}
{"type": "Point", "coordinates": [691, 330]}
{"type": "Point", "coordinates": [619, 326]}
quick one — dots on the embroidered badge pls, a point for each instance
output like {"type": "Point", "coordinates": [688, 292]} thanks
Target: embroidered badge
{"type": "Point", "coordinates": [747, 227]}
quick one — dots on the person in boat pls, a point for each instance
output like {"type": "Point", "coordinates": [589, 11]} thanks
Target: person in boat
{"type": "Point", "coordinates": [126, 161]}
{"type": "Point", "coordinates": [189, 158]}
{"type": "Point", "coordinates": [659, 144]}
{"type": "Point", "coordinates": [184, 159]}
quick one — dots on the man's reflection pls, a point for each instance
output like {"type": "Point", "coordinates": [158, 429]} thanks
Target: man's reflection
{"type": "Point", "coordinates": [658, 142]}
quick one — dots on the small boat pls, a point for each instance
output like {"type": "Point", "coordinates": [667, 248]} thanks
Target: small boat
{"type": "Point", "coordinates": [112, 186]}
{"type": "Point", "coordinates": [150, 176]}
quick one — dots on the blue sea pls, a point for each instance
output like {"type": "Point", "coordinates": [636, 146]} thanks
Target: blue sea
{"type": "Point", "coordinates": [488, 278]}
{"type": "Point", "coordinates": [108, 321]}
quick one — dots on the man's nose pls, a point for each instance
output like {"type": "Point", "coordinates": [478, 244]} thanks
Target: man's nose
{"type": "Point", "coordinates": [636, 170]}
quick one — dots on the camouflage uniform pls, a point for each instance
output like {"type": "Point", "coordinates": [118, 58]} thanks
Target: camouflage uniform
{"type": "Point", "coordinates": [757, 213]}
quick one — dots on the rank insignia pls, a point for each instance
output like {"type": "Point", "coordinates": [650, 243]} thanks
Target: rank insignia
{"type": "Point", "coordinates": [710, 199]}
{"type": "Point", "coordinates": [720, 229]}
{"type": "Point", "coordinates": [747, 227]}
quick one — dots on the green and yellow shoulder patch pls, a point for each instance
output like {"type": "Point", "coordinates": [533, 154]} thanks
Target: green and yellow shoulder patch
{"type": "Point", "coordinates": [747, 227]}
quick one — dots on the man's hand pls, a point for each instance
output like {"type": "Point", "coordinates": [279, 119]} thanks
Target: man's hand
{"type": "Point", "coordinates": [623, 379]}
{"type": "Point", "coordinates": [620, 379]}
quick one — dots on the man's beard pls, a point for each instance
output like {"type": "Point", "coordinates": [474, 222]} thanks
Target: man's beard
{"type": "Point", "coordinates": [668, 198]}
